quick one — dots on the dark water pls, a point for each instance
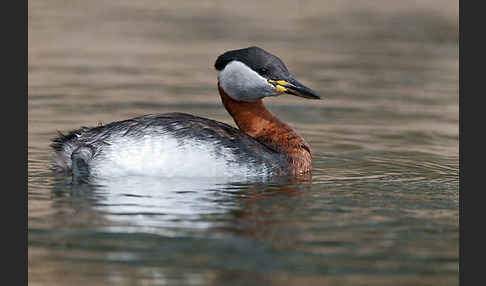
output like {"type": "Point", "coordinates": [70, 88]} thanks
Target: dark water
{"type": "Point", "coordinates": [382, 205]}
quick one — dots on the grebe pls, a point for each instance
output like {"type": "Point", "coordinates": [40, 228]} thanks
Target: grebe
{"type": "Point", "coordinates": [180, 145]}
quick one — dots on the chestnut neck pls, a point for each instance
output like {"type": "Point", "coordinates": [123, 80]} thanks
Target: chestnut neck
{"type": "Point", "coordinates": [257, 121]}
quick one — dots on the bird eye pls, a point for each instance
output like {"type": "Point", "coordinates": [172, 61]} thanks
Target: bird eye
{"type": "Point", "coordinates": [262, 70]}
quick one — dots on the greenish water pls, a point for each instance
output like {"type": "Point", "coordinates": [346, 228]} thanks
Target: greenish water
{"type": "Point", "coordinates": [382, 206]}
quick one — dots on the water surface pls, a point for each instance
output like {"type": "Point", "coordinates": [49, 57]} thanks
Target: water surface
{"type": "Point", "coordinates": [382, 204]}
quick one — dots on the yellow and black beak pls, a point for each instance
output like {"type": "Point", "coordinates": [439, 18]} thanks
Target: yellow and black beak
{"type": "Point", "coordinates": [292, 86]}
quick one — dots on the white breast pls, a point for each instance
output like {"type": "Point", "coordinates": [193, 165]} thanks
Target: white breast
{"type": "Point", "coordinates": [166, 156]}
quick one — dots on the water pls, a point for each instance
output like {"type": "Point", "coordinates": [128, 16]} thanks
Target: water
{"type": "Point", "coordinates": [381, 207]}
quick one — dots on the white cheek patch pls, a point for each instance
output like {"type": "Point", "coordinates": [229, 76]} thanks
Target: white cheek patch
{"type": "Point", "coordinates": [244, 84]}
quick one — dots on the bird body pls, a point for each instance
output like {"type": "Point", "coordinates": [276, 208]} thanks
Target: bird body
{"type": "Point", "coordinates": [169, 145]}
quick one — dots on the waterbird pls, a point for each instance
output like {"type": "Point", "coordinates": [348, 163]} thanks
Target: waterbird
{"type": "Point", "coordinates": [184, 145]}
